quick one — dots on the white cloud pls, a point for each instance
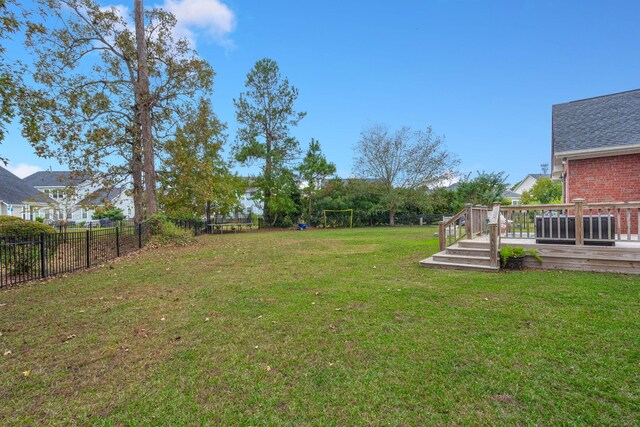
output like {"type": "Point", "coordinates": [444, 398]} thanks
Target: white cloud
{"type": "Point", "coordinates": [212, 17]}
{"type": "Point", "coordinates": [22, 170]}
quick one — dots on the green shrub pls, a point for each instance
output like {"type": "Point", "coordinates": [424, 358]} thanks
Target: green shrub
{"type": "Point", "coordinates": [13, 226]}
{"type": "Point", "coordinates": [164, 231]}
{"type": "Point", "coordinates": [39, 219]}
{"type": "Point", "coordinates": [517, 252]}
{"type": "Point", "coordinates": [114, 214]}
{"type": "Point", "coordinates": [25, 257]}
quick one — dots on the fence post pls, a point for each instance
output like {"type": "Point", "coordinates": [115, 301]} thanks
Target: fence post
{"type": "Point", "coordinates": [468, 221]}
{"type": "Point", "coordinates": [117, 242]}
{"type": "Point", "coordinates": [579, 221]}
{"type": "Point", "coordinates": [88, 249]}
{"type": "Point", "coordinates": [43, 263]}
{"type": "Point", "coordinates": [493, 244]}
{"type": "Point", "coordinates": [139, 235]}
{"type": "Point", "coordinates": [442, 239]}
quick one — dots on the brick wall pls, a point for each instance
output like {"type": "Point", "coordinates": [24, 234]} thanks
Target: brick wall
{"type": "Point", "coordinates": [606, 179]}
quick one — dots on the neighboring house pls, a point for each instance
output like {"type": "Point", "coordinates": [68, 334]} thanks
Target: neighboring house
{"type": "Point", "coordinates": [512, 196]}
{"type": "Point", "coordinates": [76, 196]}
{"type": "Point", "coordinates": [250, 205]}
{"type": "Point", "coordinates": [116, 197]}
{"type": "Point", "coordinates": [17, 198]}
{"type": "Point", "coordinates": [596, 147]}
{"type": "Point", "coordinates": [528, 182]}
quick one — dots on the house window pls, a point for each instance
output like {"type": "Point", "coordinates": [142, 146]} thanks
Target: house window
{"type": "Point", "coordinates": [515, 202]}
{"type": "Point", "coordinates": [84, 214]}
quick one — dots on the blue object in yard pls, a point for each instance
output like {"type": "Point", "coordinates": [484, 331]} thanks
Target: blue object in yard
{"type": "Point", "coordinates": [302, 226]}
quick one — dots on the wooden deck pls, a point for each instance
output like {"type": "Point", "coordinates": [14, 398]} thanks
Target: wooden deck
{"type": "Point", "coordinates": [579, 224]}
{"type": "Point", "coordinates": [624, 257]}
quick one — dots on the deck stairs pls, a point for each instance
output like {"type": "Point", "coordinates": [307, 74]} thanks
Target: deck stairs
{"type": "Point", "coordinates": [470, 255]}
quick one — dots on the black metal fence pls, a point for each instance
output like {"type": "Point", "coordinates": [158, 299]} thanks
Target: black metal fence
{"type": "Point", "coordinates": [25, 258]}
{"type": "Point", "coordinates": [424, 219]}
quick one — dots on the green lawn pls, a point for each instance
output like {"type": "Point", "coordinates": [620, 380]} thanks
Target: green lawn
{"type": "Point", "coordinates": [318, 328]}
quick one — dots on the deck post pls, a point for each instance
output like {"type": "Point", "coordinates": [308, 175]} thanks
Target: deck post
{"type": "Point", "coordinates": [468, 221]}
{"type": "Point", "coordinates": [579, 221]}
{"type": "Point", "coordinates": [493, 244]}
{"type": "Point", "coordinates": [442, 238]}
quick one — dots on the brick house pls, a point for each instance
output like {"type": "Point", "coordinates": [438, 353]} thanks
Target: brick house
{"type": "Point", "coordinates": [596, 148]}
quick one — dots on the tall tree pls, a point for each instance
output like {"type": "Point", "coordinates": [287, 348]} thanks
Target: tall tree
{"type": "Point", "coordinates": [143, 104]}
{"type": "Point", "coordinates": [266, 114]}
{"type": "Point", "coordinates": [83, 108]}
{"type": "Point", "coordinates": [404, 159]}
{"type": "Point", "coordinates": [9, 24]}
{"type": "Point", "coordinates": [313, 170]}
{"type": "Point", "coordinates": [193, 172]}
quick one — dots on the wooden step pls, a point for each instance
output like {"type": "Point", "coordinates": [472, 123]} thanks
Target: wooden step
{"type": "Point", "coordinates": [430, 263]}
{"type": "Point", "coordinates": [457, 250]}
{"type": "Point", "coordinates": [461, 259]}
{"type": "Point", "coordinates": [478, 244]}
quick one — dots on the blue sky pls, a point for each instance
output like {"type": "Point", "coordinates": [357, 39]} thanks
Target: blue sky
{"type": "Point", "coordinates": [483, 73]}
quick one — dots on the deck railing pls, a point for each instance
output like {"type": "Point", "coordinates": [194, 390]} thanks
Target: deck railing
{"type": "Point", "coordinates": [578, 222]}
{"type": "Point", "coordinates": [468, 223]}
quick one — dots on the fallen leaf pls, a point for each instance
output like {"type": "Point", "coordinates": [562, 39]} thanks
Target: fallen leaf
{"type": "Point", "coordinates": [7, 352]}
{"type": "Point", "coordinates": [163, 319]}
{"type": "Point", "coordinates": [268, 368]}
{"type": "Point", "coordinates": [338, 309]}
{"type": "Point", "coordinates": [256, 347]}
{"type": "Point", "coordinates": [206, 319]}
{"type": "Point", "coordinates": [26, 373]}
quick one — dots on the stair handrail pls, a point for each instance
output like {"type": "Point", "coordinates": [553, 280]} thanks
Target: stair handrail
{"type": "Point", "coordinates": [451, 231]}
{"type": "Point", "coordinates": [494, 233]}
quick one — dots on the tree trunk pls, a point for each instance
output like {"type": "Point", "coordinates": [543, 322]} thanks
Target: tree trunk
{"type": "Point", "coordinates": [136, 173]}
{"type": "Point", "coordinates": [143, 99]}
{"type": "Point", "coordinates": [392, 216]}
{"type": "Point", "coordinates": [309, 210]}
{"type": "Point", "coordinates": [266, 211]}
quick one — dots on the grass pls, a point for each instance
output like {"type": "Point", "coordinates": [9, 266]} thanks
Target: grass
{"type": "Point", "coordinates": [321, 328]}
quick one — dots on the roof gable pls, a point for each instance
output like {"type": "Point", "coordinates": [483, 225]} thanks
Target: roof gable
{"type": "Point", "coordinates": [13, 190]}
{"type": "Point", "coordinates": [602, 122]}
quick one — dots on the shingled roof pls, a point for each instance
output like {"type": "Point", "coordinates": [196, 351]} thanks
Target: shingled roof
{"type": "Point", "coordinates": [103, 196]}
{"type": "Point", "coordinates": [14, 191]}
{"type": "Point", "coordinates": [602, 122]}
{"type": "Point", "coordinates": [54, 179]}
